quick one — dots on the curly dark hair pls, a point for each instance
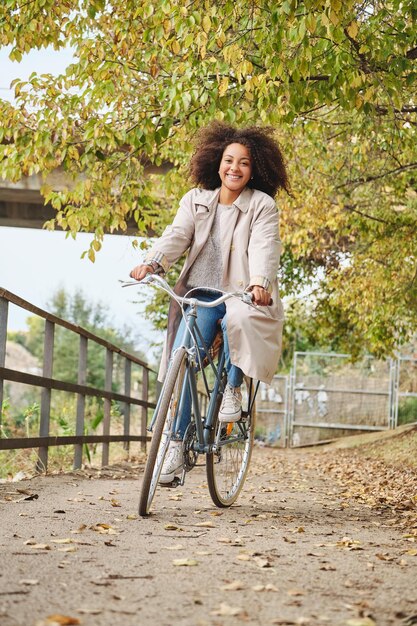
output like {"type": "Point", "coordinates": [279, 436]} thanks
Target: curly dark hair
{"type": "Point", "coordinates": [268, 168]}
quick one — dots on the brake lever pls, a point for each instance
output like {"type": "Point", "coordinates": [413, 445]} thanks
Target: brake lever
{"type": "Point", "coordinates": [130, 283]}
{"type": "Point", "coordinates": [247, 298]}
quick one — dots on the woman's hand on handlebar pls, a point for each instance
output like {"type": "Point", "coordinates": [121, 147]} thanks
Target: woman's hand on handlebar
{"type": "Point", "coordinates": [260, 296]}
{"type": "Point", "coordinates": [140, 271]}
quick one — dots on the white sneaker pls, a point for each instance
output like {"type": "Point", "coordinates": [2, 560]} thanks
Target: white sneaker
{"type": "Point", "coordinates": [231, 407]}
{"type": "Point", "coordinates": [173, 463]}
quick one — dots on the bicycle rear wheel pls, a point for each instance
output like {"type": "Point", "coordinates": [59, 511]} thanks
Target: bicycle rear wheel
{"type": "Point", "coordinates": [163, 428]}
{"type": "Point", "coordinates": [227, 467]}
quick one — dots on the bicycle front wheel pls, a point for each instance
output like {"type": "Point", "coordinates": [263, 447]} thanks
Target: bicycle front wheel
{"type": "Point", "coordinates": [228, 466]}
{"type": "Point", "coordinates": [163, 428]}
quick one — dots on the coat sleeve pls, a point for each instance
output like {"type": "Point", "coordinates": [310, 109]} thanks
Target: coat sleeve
{"type": "Point", "coordinates": [264, 246]}
{"type": "Point", "coordinates": [177, 237]}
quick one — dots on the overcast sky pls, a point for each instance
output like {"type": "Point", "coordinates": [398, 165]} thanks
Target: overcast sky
{"type": "Point", "coordinates": [35, 263]}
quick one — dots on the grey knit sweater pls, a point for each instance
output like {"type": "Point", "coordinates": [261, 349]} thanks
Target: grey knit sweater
{"type": "Point", "coordinates": [207, 269]}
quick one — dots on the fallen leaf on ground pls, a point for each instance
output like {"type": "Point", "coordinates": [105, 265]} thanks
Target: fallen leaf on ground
{"type": "Point", "coordinates": [208, 524]}
{"type": "Point", "coordinates": [79, 530]}
{"type": "Point", "coordinates": [68, 549]}
{"type": "Point", "coordinates": [268, 587]}
{"type": "Point", "coordinates": [184, 562]}
{"type": "Point", "coordinates": [262, 562]}
{"type": "Point", "coordinates": [295, 592]}
{"type": "Point", "coordinates": [235, 585]}
{"type": "Point", "coordinates": [360, 621]}
{"type": "Point", "coordinates": [58, 620]}
{"type": "Point", "coordinates": [226, 610]}
{"type": "Point", "coordinates": [104, 529]}
{"type": "Point", "coordinates": [28, 581]}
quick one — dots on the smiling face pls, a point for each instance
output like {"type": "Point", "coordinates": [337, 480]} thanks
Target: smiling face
{"type": "Point", "coordinates": [235, 171]}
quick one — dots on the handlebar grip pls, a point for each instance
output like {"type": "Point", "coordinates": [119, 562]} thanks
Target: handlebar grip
{"type": "Point", "coordinates": [249, 296]}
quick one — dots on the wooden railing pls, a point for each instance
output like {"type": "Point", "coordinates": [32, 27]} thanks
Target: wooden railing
{"type": "Point", "coordinates": [47, 383]}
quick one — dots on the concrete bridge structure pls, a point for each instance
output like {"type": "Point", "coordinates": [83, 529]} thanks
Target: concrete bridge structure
{"type": "Point", "coordinates": [22, 205]}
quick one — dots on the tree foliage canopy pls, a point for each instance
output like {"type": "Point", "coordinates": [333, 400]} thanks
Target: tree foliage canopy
{"type": "Point", "coordinates": [338, 81]}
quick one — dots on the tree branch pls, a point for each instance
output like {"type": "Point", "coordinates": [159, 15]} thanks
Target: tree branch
{"type": "Point", "coordinates": [368, 179]}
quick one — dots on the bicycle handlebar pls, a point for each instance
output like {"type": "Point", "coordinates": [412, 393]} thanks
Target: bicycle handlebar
{"type": "Point", "coordinates": [245, 296]}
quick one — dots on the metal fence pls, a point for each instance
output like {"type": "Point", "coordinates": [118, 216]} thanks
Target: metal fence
{"type": "Point", "coordinates": [331, 394]}
{"type": "Point", "coordinates": [405, 388]}
{"type": "Point", "coordinates": [272, 412]}
{"type": "Point", "coordinates": [327, 395]}
{"type": "Point", "coordinates": [127, 399]}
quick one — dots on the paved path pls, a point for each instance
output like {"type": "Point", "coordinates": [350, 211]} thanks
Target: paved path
{"type": "Point", "coordinates": [295, 550]}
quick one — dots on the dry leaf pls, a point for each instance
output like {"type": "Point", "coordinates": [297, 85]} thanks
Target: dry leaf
{"type": "Point", "coordinates": [229, 611]}
{"type": "Point", "coordinates": [261, 562]}
{"type": "Point", "coordinates": [58, 620]}
{"type": "Point", "coordinates": [104, 529]}
{"type": "Point", "coordinates": [79, 530]}
{"type": "Point", "coordinates": [295, 592]}
{"type": "Point", "coordinates": [184, 562]}
{"type": "Point", "coordinates": [67, 549]}
{"type": "Point", "coordinates": [360, 621]}
{"type": "Point", "coordinates": [208, 524]}
{"type": "Point", "coordinates": [67, 540]}
{"type": "Point", "coordinates": [236, 585]}
{"type": "Point", "coordinates": [171, 527]}
{"type": "Point", "coordinates": [178, 546]}
{"type": "Point", "coordinates": [28, 581]}
{"type": "Point", "coordinates": [268, 587]}
{"type": "Point", "coordinates": [411, 552]}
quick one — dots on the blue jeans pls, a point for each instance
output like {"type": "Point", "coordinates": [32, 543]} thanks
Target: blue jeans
{"type": "Point", "coordinates": [207, 323]}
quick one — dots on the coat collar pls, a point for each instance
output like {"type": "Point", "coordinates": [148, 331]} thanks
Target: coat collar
{"type": "Point", "coordinates": [210, 198]}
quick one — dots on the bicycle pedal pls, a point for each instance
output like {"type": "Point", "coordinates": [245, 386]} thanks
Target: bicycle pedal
{"type": "Point", "coordinates": [176, 482]}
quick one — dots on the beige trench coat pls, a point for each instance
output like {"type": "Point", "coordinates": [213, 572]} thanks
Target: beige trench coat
{"type": "Point", "coordinates": [250, 253]}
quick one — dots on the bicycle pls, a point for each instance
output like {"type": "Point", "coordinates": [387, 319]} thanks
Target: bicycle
{"type": "Point", "coordinates": [227, 446]}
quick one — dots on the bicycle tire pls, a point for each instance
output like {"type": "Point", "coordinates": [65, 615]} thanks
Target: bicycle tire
{"type": "Point", "coordinates": [227, 468]}
{"type": "Point", "coordinates": [162, 430]}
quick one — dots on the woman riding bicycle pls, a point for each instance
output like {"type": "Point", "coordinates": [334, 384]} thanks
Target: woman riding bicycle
{"type": "Point", "coordinates": [229, 227]}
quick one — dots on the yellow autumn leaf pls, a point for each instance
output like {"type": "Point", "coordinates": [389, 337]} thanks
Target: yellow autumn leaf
{"type": "Point", "coordinates": [224, 83]}
{"type": "Point", "coordinates": [206, 23]}
{"type": "Point", "coordinates": [184, 562]}
{"type": "Point", "coordinates": [353, 29]}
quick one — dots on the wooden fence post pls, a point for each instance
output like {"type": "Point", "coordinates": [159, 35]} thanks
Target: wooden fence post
{"type": "Point", "coordinates": [107, 406]}
{"type": "Point", "coordinates": [4, 309]}
{"type": "Point", "coordinates": [128, 385]}
{"type": "Point", "coordinates": [80, 416]}
{"type": "Point", "coordinates": [48, 357]}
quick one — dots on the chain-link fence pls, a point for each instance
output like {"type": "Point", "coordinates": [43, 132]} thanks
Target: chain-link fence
{"type": "Point", "coordinates": [272, 413]}
{"type": "Point", "coordinates": [331, 394]}
{"type": "Point", "coordinates": [328, 395]}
